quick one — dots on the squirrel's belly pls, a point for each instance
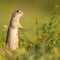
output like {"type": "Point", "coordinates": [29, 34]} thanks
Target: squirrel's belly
{"type": "Point", "coordinates": [13, 39]}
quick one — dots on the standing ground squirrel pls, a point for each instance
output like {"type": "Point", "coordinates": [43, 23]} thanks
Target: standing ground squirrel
{"type": "Point", "coordinates": [12, 33]}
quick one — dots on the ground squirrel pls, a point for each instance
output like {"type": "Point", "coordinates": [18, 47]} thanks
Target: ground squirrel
{"type": "Point", "coordinates": [12, 33]}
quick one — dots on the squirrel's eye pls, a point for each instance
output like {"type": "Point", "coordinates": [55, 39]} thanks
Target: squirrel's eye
{"type": "Point", "coordinates": [17, 11]}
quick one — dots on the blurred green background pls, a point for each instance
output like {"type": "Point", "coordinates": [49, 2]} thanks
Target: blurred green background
{"type": "Point", "coordinates": [40, 40]}
{"type": "Point", "coordinates": [39, 8]}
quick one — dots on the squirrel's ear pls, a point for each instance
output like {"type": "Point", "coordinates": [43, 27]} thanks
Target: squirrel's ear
{"type": "Point", "coordinates": [13, 13]}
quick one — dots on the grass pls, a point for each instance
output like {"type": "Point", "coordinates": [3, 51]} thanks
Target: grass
{"type": "Point", "coordinates": [42, 44]}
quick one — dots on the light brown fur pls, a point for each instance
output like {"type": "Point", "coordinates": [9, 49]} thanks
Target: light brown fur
{"type": "Point", "coordinates": [12, 33]}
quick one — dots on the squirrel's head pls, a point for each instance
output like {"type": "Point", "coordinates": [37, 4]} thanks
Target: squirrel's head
{"type": "Point", "coordinates": [17, 13]}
